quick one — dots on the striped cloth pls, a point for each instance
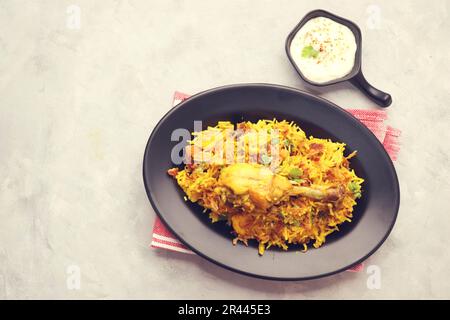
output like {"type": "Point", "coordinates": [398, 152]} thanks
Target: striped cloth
{"type": "Point", "coordinates": [375, 120]}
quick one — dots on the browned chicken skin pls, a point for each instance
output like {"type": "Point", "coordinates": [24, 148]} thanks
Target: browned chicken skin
{"type": "Point", "coordinates": [265, 188]}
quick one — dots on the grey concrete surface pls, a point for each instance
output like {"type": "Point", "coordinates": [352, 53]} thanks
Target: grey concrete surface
{"type": "Point", "coordinates": [78, 101]}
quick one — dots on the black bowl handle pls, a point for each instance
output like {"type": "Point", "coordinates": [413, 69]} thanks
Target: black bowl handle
{"type": "Point", "coordinates": [381, 98]}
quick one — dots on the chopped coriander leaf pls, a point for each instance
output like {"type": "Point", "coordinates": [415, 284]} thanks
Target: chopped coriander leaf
{"type": "Point", "coordinates": [287, 142]}
{"type": "Point", "coordinates": [295, 173]}
{"type": "Point", "coordinates": [296, 223]}
{"type": "Point", "coordinates": [299, 180]}
{"type": "Point", "coordinates": [355, 188]}
{"type": "Point", "coordinates": [309, 52]}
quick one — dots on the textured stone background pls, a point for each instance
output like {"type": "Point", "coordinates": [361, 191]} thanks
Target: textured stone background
{"type": "Point", "coordinates": [77, 106]}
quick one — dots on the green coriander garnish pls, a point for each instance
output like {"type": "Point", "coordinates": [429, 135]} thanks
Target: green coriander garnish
{"type": "Point", "coordinates": [309, 52]}
{"type": "Point", "coordinates": [287, 143]}
{"type": "Point", "coordinates": [355, 188]}
{"type": "Point", "coordinates": [296, 223]}
{"type": "Point", "coordinates": [295, 173]}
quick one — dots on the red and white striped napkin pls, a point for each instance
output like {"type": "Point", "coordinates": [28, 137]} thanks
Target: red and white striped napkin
{"type": "Point", "coordinates": [373, 119]}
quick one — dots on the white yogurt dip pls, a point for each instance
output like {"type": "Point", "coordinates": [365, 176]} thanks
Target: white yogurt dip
{"type": "Point", "coordinates": [324, 50]}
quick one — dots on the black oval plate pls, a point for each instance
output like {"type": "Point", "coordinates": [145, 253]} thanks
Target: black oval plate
{"type": "Point", "coordinates": [374, 215]}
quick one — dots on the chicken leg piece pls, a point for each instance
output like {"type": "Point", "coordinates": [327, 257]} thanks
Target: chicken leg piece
{"type": "Point", "coordinates": [266, 188]}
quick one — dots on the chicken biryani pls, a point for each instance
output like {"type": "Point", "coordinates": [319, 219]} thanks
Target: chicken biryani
{"type": "Point", "coordinates": [270, 182]}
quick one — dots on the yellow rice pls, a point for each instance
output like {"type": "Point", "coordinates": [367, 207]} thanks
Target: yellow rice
{"type": "Point", "coordinates": [299, 220]}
